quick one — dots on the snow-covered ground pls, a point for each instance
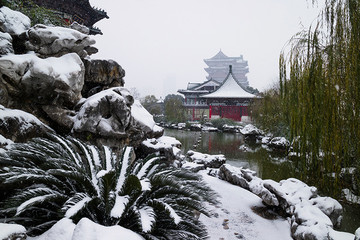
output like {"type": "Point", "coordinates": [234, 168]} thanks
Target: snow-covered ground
{"type": "Point", "coordinates": [234, 217]}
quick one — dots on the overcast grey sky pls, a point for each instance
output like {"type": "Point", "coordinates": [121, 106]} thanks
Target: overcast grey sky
{"type": "Point", "coordinates": [161, 44]}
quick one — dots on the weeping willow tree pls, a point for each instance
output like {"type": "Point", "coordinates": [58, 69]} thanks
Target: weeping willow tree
{"type": "Point", "coordinates": [320, 89]}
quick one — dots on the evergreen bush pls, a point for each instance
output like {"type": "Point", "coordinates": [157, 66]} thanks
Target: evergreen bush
{"type": "Point", "coordinates": [45, 180]}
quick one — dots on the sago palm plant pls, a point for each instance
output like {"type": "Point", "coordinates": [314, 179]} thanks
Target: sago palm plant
{"type": "Point", "coordinates": [45, 180]}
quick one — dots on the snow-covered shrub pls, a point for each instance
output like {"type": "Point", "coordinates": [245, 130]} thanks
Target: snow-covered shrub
{"type": "Point", "coordinates": [45, 180]}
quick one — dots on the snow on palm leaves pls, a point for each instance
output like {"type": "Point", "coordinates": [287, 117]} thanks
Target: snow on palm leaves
{"type": "Point", "coordinates": [45, 180]}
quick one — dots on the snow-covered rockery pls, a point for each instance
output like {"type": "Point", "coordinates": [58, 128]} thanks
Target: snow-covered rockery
{"type": "Point", "coordinates": [311, 216]}
{"type": "Point", "coordinates": [47, 72]}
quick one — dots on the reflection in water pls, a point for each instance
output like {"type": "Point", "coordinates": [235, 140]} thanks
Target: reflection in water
{"type": "Point", "coordinates": [256, 158]}
{"type": "Point", "coordinates": [267, 165]}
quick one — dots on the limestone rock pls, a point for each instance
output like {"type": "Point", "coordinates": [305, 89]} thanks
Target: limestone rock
{"type": "Point", "coordinates": [12, 232]}
{"type": "Point", "coordinates": [144, 121]}
{"type": "Point", "coordinates": [51, 81]}
{"type": "Point", "coordinates": [81, 28]}
{"type": "Point", "coordinates": [357, 234]}
{"type": "Point", "coordinates": [311, 217]}
{"type": "Point", "coordinates": [64, 118]}
{"type": "Point", "coordinates": [166, 146]}
{"type": "Point", "coordinates": [279, 143]}
{"type": "Point", "coordinates": [100, 75]}
{"type": "Point", "coordinates": [20, 126]}
{"type": "Point", "coordinates": [106, 114]}
{"type": "Point", "coordinates": [210, 161]}
{"type": "Point", "coordinates": [5, 44]}
{"type": "Point", "coordinates": [195, 127]}
{"type": "Point", "coordinates": [251, 132]}
{"type": "Point", "coordinates": [230, 128]}
{"type": "Point", "coordinates": [13, 22]}
{"type": "Point", "coordinates": [57, 41]}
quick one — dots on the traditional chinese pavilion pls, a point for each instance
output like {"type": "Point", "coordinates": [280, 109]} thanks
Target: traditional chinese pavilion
{"type": "Point", "coordinates": [225, 99]}
{"type": "Point", "coordinates": [197, 107]}
{"type": "Point", "coordinates": [231, 100]}
{"type": "Point", "coordinates": [76, 10]}
{"type": "Point", "coordinates": [218, 68]}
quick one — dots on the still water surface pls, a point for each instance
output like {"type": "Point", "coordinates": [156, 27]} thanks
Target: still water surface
{"type": "Point", "coordinates": [267, 165]}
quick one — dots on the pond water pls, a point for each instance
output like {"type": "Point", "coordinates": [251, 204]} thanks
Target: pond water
{"type": "Point", "coordinates": [267, 165]}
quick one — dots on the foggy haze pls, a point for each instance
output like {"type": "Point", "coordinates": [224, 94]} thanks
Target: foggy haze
{"type": "Point", "coordinates": [161, 44]}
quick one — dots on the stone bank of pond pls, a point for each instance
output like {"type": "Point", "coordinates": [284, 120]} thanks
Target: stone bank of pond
{"type": "Point", "coordinates": [267, 165]}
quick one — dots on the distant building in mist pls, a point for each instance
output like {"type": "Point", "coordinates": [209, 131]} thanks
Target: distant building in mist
{"type": "Point", "coordinates": [223, 95]}
{"type": "Point", "coordinates": [218, 68]}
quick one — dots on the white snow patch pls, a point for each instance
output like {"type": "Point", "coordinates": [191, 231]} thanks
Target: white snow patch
{"type": "Point", "coordinates": [119, 207]}
{"type": "Point", "coordinates": [250, 129]}
{"type": "Point", "coordinates": [86, 229]}
{"type": "Point", "coordinates": [77, 207]}
{"type": "Point", "coordinates": [8, 229]}
{"type": "Point", "coordinates": [173, 214]}
{"type": "Point", "coordinates": [31, 201]}
{"type": "Point", "coordinates": [141, 115]}
{"type": "Point", "coordinates": [5, 141]}
{"type": "Point", "coordinates": [62, 68]}
{"type": "Point", "coordinates": [14, 22]}
{"type": "Point", "coordinates": [27, 119]}
{"type": "Point", "coordinates": [145, 185]}
{"type": "Point", "coordinates": [198, 157]}
{"type": "Point", "coordinates": [145, 167]}
{"type": "Point", "coordinates": [162, 142]}
{"type": "Point", "coordinates": [236, 204]}
{"type": "Point", "coordinates": [102, 173]}
{"type": "Point", "coordinates": [124, 166]}
{"type": "Point", "coordinates": [108, 158]}
{"type": "Point", "coordinates": [147, 216]}
{"type": "Point", "coordinates": [62, 230]}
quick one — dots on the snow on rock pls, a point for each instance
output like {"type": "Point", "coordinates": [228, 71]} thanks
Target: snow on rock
{"type": "Point", "coordinates": [192, 166]}
{"type": "Point", "coordinates": [106, 113]}
{"type": "Point", "coordinates": [209, 129]}
{"type": "Point", "coordinates": [57, 41]}
{"type": "Point", "coordinates": [247, 179]}
{"type": "Point", "coordinates": [62, 230]}
{"type": "Point", "coordinates": [46, 81]}
{"type": "Point", "coordinates": [144, 119]}
{"type": "Point", "coordinates": [113, 114]}
{"type": "Point", "coordinates": [195, 127]}
{"type": "Point", "coordinates": [65, 229]}
{"type": "Point", "coordinates": [357, 234]}
{"type": "Point", "coordinates": [86, 229]}
{"type": "Point", "coordinates": [162, 142]}
{"type": "Point", "coordinates": [12, 231]}
{"type": "Point", "coordinates": [312, 216]}
{"type": "Point", "coordinates": [5, 44]}
{"type": "Point", "coordinates": [211, 161]}
{"type": "Point", "coordinates": [279, 143]}
{"type": "Point", "coordinates": [251, 132]}
{"type": "Point", "coordinates": [168, 146]}
{"type": "Point", "coordinates": [265, 140]}
{"type": "Point", "coordinates": [19, 126]}
{"type": "Point", "coordinates": [13, 22]}
{"type": "Point", "coordinates": [231, 129]}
